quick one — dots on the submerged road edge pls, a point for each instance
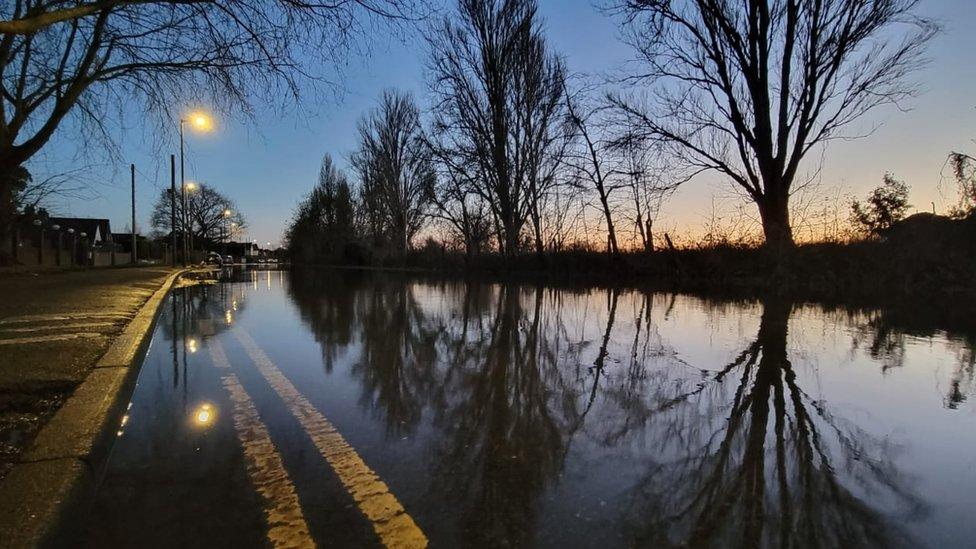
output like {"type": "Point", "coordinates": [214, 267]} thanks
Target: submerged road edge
{"type": "Point", "coordinates": [43, 495]}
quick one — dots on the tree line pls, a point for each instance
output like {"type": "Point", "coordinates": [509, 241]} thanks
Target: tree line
{"type": "Point", "coordinates": [515, 150]}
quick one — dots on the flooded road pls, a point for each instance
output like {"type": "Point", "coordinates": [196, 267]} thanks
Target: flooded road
{"type": "Point", "coordinates": [358, 409]}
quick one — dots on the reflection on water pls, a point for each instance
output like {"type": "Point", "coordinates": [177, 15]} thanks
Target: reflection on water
{"type": "Point", "coordinates": [505, 414]}
{"type": "Point", "coordinates": [516, 381]}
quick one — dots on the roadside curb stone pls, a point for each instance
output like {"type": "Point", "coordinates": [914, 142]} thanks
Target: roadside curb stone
{"type": "Point", "coordinates": [42, 497]}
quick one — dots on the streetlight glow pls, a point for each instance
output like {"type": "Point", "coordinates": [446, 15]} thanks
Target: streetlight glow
{"type": "Point", "coordinates": [200, 121]}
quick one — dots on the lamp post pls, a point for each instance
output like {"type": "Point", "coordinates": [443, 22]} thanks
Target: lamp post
{"type": "Point", "coordinates": [74, 246]}
{"type": "Point", "coordinates": [204, 123]}
{"type": "Point", "coordinates": [188, 187]}
{"type": "Point", "coordinates": [86, 248]}
{"type": "Point", "coordinates": [227, 214]}
{"type": "Point", "coordinates": [40, 243]}
{"type": "Point", "coordinates": [57, 254]}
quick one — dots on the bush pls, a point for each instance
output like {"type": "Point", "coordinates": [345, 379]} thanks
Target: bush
{"type": "Point", "coordinates": [886, 205]}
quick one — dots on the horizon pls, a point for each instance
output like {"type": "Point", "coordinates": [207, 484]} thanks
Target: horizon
{"type": "Point", "coordinates": [269, 164]}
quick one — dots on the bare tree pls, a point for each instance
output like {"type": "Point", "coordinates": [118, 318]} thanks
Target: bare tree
{"type": "Point", "coordinates": [593, 161]}
{"type": "Point", "coordinates": [395, 167]}
{"type": "Point", "coordinates": [61, 59]}
{"type": "Point", "coordinates": [748, 88]}
{"type": "Point", "coordinates": [456, 202]}
{"type": "Point", "coordinates": [493, 80]}
{"type": "Point", "coordinates": [540, 133]}
{"type": "Point", "coordinates": [964, 172]}
{"type": "Point", "coordinates": [210, 214]}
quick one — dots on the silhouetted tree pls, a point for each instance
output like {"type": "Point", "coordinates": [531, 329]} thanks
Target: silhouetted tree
{"type": "Point", "coordinates": [964, 172]}
{"type": "Point", "coordinates": [498, 93]}
{"type": "Point", "coordinates": [395, 168]}
{"type": "Point", "coordinates": [324, 222]}
{"type": "Point", "coordinates": [205, 209]}
{"type": "Point", "coordinates": [89, 60]}
{"type": "Point", "coordinates": [749, 88]}
{"type": "Point", "coordinates": [883, 207]}
{"type": "Point", "coordinates": [456, 201]}
{"type": "Point", "coordinates": [593, 162]}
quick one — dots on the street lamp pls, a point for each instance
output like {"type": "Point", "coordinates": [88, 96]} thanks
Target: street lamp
{"type": "Point", "coordinates": [227, 214]}
{"type": "Point", "coordinates": [74, 246]}
{"type": "Point", "coordinates": [188, 187]}
{"type": "Point", "coordinates": [40, 243]}
{"type": "Point", "coordinates": [87, 248]}
{"type": "Point", "coordinates": [201, 122]}
{"type": "Point", "coordinates": [57, 258]}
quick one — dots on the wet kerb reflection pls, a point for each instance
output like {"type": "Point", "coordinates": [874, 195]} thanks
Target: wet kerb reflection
{"type": "Point", "coordinates": [494, 414]}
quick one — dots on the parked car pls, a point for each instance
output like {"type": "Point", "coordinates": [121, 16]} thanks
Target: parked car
{"type": "Point", "coordinates": [214, 258]}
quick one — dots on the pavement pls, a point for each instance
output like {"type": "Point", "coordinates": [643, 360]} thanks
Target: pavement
{"type": "Point", "coordinates": [54, 327]}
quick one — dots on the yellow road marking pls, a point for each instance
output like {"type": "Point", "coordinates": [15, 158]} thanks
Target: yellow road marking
{"type": "Point", "coordinates": [391, 522]}
{"type": "Point", "coordinates": [286, 523]}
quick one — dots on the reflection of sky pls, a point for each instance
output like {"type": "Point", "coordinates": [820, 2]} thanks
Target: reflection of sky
{"type": "Point", "coordinates": [268, 168]}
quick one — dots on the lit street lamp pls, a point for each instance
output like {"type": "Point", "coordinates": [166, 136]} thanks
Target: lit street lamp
{"type": "Point", "coordinates": [40, 243]}
{"type": "Point", "coordinates": [86, 248]}
{"type": "Point", "coordinates": [74, 246]}
{"type": "Point", "coordinates": [57, 257]}
{"type": "Point", "coordinates": [201, 122]}
{"type": "Point", "coordinates": [227, 214]}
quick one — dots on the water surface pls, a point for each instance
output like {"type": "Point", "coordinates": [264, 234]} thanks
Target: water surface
{"type": "Point", "coordinates": [529, 415]}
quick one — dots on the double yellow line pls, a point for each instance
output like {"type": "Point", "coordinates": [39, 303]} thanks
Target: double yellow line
{"type": "Point", "coordinates": [287, 526]}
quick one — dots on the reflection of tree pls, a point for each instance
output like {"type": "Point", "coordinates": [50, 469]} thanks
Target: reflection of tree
{"type": "Point", "coordinates": [398, 359]}
{"type": "Point", "coordinates": [885, 343]}
{"type": "Point", "coordinates": [962, 383]}
{"type": "Point", "coordinates": [887, 332]}
{"type": "Point", "coordinates": [764, 465]}
{"type": "Point", "coordinates": [504, 414]}
{"type": "Point", "coordinates": [326, 301]}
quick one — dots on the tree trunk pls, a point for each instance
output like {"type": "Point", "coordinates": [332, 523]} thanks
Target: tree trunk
{"type": "Point", "coordinates": [8, 211]}
{"type": "Point", "coordinates": [611, 233]}
{"type": "Point", "coordinates": [774, 210]}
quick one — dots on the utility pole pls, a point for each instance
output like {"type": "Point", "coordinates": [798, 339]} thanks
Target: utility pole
{"type": "Point", "coordinates": [183, 195]}
{"type": "Point", "coordinates": [172, 205]}
{"type": "Point", "coordinates": [135, 252]}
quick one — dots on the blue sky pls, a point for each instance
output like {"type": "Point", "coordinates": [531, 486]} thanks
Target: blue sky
{"type": "Point", "coordinates": [268, 164]}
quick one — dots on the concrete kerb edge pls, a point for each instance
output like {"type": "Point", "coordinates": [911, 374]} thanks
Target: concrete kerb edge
{"type": "Point", "coordinates": [45, 493]}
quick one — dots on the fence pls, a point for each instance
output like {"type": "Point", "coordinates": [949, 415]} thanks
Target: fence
{"type": "Point", "coordinates": [50, 249]}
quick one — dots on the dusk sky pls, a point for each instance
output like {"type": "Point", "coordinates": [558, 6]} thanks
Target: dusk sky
{"type": "Point", "coordinates": [266, 166]}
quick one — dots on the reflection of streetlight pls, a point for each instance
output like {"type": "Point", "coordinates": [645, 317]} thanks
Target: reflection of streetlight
{"type": "Point", "coordinates": [203, 415]}
{"type": "Point", "coordinates": [228, 317]}
{"type": "Point", "coordinates": [191, 344]}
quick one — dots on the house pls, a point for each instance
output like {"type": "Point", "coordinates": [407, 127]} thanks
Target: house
{"type": "Point", "coordinates": [99, 231]}
{"type": "Point", "coordinates": [241, 249]}
{"type": "Point", "coordinates": [123, 242]}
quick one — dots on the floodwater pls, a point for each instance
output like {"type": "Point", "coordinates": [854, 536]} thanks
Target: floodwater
{"type": "Point", "coordinates": [356, 409]}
